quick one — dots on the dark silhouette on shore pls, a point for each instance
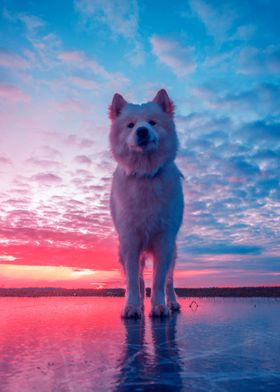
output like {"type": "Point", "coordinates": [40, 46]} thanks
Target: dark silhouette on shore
{"type": "Point", "coordinates": [260, 291]}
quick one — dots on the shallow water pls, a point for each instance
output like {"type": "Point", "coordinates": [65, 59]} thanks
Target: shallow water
{"type": "Point", "coordinates": [81, 344]}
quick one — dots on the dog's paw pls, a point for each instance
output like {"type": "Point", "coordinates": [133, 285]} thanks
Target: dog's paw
{"type": "Point", "coordinates": [174, 306]}
{"type": "Point", "coordinates": [159, 311]}
{"type": "Point", "coordinates": [132, 311]}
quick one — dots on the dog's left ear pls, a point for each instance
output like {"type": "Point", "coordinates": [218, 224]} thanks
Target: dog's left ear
{"type": "Point", "coordinates": [164, 102]}
{"type": "Point", "coordinates": [116, 106]}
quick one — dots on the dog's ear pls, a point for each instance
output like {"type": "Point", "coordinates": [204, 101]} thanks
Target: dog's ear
{"type": "Point", "coordinates": [116, 106]}
{"type": "Point", "coordinates": [164, 102]}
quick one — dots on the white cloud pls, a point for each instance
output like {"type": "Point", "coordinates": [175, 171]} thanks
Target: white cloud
{"type": "Point", "coordinates": [119, 16]}
{"type": "Point", "coordinates": [31, 22]}
{"type": "Point", "coordinates": [7, 258]}
{"type": "Point", "coordinates": [217, 21]}
{"type": "Point", "coordinates": [244, 32]}
{"type": "Point", "coordinates": [172, 54]}
{"type": "Point", "coordinates": [259, 61]}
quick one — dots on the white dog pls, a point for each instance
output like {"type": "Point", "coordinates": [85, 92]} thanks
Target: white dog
{"type": "Point", "coordinates": [146, 198]}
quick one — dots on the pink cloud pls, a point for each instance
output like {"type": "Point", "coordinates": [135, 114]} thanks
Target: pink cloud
{"type": "Point", "coordinates": [83, 159]}
{"type": "Point", "coordinates": [44, 163]}
{"type": "Point", "coordinates": [71, 105]}
{"type": "Point", "coordinates": [78, 141]}
{"type": "Point", "coordinates": [71, 56]}
{"type": "Point", "coordinates": [86, 83]}
{"type": "Point", "coordinates": [5, 161]}
{"type": "Point", "coordinates": [12, 60]}
{"type": "Point", "coordinates": [47, 178]}
{"type": "Point", "coordinates": [12, 94]}
{"type": "Point", "coordinates": [48, 152]}
{"type": "Point", "coordinates": [80, 60]}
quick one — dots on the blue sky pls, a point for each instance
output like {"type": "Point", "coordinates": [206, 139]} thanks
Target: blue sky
{"type": "Point", "coordinates": [60, 64]}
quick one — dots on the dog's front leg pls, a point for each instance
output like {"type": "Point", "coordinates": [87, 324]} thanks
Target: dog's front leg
{"type": "Point", "coordinates": [170, 292]}
{"type": "Point", "coordinates": [163, 252]}
{"type": "Point", "coordinates": [130, 260]}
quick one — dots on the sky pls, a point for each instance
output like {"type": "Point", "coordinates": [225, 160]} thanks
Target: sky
{"type": "Point", "coordinates": [60, 64]}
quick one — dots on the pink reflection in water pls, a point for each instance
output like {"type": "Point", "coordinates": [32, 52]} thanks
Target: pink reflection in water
{"type": "Point", "coordinates": [81, 344]}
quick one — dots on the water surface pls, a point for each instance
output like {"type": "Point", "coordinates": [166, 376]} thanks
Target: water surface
{"type": "Point", "coordinates": [81, 344]}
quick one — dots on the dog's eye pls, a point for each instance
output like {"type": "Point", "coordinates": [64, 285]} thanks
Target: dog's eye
{"type": "Point", "coordinates": [130, 125]}
{"type": "Point", "coordinates": [152, 122]}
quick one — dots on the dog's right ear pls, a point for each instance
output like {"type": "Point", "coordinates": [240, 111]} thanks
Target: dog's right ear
{"type": "Point", "coordinates": [116, 106]}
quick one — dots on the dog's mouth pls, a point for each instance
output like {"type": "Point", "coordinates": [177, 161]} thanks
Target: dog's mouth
{"type": "Point", "coordinates": [144, 145]}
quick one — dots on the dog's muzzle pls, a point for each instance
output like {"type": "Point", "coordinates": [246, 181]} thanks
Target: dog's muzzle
{"type": "Point", "coordinates": [142, 136]}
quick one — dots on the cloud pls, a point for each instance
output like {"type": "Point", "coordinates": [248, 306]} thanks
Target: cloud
{"type": "Point", "coordinates": [72, 56]}
{"type": "Point", "coordinates": [232, 185]}
{"type": "Point", "coordinates": [12, 94]}
{"type": "Point", "coordinates": [218, 19]}
{"type": "Point", "coordinates": [80, 60]}
{"type": "Point", "coordinates": [12, 60]}
{"type": "Point", "coordinates": [7, 258]}
{"type": "Point", "coordinates": [5, 161]}
{"type": "Point", "coordinates": [172, 54]}
{"type": "Point", "coordinates": [266, 133]}
{"type": "Point", "coordinates": [240, 167]}
{"type": "Point", "coordinates": [241, 105]}
{"type": "Point", "coordinates": [196, 124]}
{"type": "Point", "coordinates": [31, 22]}
{"type": "Point", "coordinates": [83, 159]}
{"type": "Point", "coordinates": [44, 163]}
{"type": "Point", "coordinates": [244, 32]}
{"type": "Point", "coordinates": [86, 84]}
{"type": "Point", "coordinates": [73, 105]}
{"type": "Point", "coordinates": [78, 142]}
{"type": "Point", "coordinates": [119, 16]}
{"type": "Point", "coordinates": [47, 178]}
{"type": "Point", "coordinates": [253, 60]}
{"type": "Point", "coordinates": [48, 152]}
{"type": "Point", "coordinates": [224, 248]}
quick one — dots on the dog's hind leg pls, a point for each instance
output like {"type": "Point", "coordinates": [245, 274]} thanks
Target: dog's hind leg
{"type": "Point", "coordinates": [163, 251]}
{"type": "Point", "coordinates": [141, 279]}
{"type": "Point", "coordinates": [170, 292]}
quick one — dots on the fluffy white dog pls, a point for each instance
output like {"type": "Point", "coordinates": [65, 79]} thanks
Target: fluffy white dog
{"type": "Point", "coordinates": [146, 198]}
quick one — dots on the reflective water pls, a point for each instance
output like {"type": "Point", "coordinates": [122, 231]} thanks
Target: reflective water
{"type": "Point", "coordinates": [81, 344]}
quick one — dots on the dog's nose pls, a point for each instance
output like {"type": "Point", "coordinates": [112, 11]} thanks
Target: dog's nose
{"type": "Point", "coordinates": [142, 136]}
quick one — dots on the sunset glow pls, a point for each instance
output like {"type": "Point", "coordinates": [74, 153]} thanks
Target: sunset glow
{"type": "Point", "coordinates": [59, 68]}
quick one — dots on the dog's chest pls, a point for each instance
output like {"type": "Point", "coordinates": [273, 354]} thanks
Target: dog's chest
{"type": "Point", "coordinates": [145, 192]}
{"type": "Point", "coordinates": [140, 201]}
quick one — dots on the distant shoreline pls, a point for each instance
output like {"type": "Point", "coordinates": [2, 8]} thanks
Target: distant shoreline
{"type": "Point", "coordinates": [260, 291]}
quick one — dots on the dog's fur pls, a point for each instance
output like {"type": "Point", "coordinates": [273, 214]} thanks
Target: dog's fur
{"type": "Point", "coordinates": [146, 198]}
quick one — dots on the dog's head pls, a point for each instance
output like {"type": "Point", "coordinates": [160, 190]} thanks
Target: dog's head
{"type": "Point", "coordinates": [143, 137]}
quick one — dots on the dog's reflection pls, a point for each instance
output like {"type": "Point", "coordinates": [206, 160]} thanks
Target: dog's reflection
{"type": "Point", "coordinates": [145, 368]}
